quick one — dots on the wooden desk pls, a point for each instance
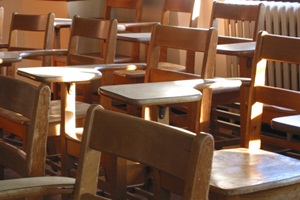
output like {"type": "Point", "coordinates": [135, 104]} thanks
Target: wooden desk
{"type": "Point", "coordinates": [243, 50]}
{"type": "Point", "coordinates": [256, 172]}
{"type": "Point", "coordinates": [67, 77]}
{"type": "Point", "coordinates": [143, 37]}
{"type": "Point", "coordinates": [135, 37]}
{"type": "Point", "coordinates": [289, 124]}
{"type": "Point", "coordinates": [158, 93]}
{"type": "Point", "coordinates": [162, 94]}
{"type": "Point", "coordinates": [9, 57]}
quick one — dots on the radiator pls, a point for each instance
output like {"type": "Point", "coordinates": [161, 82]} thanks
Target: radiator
{"type": "Point", "coordinates": [281, 18]}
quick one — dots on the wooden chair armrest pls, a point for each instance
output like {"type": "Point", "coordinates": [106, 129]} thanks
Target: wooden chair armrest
{"type": "Point", "coordinates": [43, 52]}
{"type": "Point", "coordinates": [220, 84]}
{"type": "Point", "coordinates": [62, 23]}
{"type": "Point", "coordinates": [122, 66]}
{"type": "Point", "coordinates": [243, 80]}
{"type": "Point", "coordinates": [25, 187]}
{"type": "Point", "coordinates": [138, 24]}
{"type": "Point", "coordinates": [229, 40]}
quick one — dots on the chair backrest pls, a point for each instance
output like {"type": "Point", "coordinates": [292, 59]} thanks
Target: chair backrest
{"type": "Point", "coordinates": [22, 98]}
{"type": "Point", "coordinates": [179, 6]}
{"type": "Point", "coordinates": [241, 19]}
{"type": "Point", "coordinates": [104, 33]}
{"type": "Point", "coordinates": [177, 152]}
{"type": "Point", "coordinates": [277, 49]}
{"type": "Point", "coordinates": [192, 39]}
{"type": "Point", "coordinates": [134, 9]}
{"type": "Point", "coordinates": [183, 38]}
{"type": "Point", "coordinates": [22, 24]}
{"type": "Point", "coordinates": [136, 5]}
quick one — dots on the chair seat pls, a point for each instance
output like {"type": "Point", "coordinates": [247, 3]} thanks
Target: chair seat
{"type": "Point", "coordinates": [240, 171]}
{"type": "Point", "coordinates": [15, 188]}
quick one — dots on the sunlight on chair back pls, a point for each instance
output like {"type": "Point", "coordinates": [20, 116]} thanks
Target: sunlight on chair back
{"type": "Point", "coordinates": [270, 48]}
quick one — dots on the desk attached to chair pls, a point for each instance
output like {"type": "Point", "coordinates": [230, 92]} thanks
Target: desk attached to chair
{"type": "Point", "coordinates": [67, 77]}
{"type": "Point", "coordinates": [162, 94]}
{"type": "Point", "coordinates": [9, 57]}
{"type": "Point", "coordinates": [289, 124]}
{"type": "Point", "coordinates": [244, 51]}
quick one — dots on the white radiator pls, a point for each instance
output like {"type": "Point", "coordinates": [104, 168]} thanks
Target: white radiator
{"type": "Point", "coordinates": [281, 18]}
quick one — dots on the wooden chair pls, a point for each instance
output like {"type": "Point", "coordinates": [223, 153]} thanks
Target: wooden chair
{"type": "Point", "coordinates": [164, 36]}
{"type": "Point", "coordinates": [29, 105]}
{"type": "Point", "coordinates": [110, 7]}
{"type": "Point", "coordinates": [104, 34]}
{"type": "Point", "coordinates": [192, 161]}
{"type": "Point", "coordinates": [81, 31]}
{"type": "Point", "coordinates": [135, 6]}
{"type": "Point", "coordinates": [237, 17]}
{"type": "Point", "coordinates": [22, 24]}
{"type": "Point", "coordinates": [240, 18]}
{"type": "Point", "coordinates": [242, 25]}
{"type": "Point", "coordinates": [175, 6]}
{"type": "Point", "coordinates": [105, 31]}
{"type": "Point", "coordinates": [251, 172]}
{"type": "Point", "coordinates": [170, 7]}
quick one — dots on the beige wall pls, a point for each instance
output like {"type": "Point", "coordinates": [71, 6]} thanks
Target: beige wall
{"type": "Point", "coordinates": [92, 8]}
